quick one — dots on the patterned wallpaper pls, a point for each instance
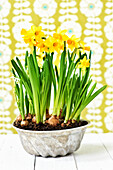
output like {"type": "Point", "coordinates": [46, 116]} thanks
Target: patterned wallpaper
{"type": "Point", "coordinates": [92, 20]}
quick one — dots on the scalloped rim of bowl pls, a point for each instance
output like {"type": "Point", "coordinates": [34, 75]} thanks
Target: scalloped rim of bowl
{"type": "Point", "coordinates": [56, 131]}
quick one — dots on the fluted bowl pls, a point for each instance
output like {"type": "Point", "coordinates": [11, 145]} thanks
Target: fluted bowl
{"type": "Point", "coordinates": [51, 143]}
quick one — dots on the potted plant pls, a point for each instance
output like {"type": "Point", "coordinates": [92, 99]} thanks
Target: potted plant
{"type": "Point", "coordinates": [60, 64]}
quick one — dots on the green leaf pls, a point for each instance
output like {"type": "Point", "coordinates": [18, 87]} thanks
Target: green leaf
{"type": "Point", "coordinates": [23, 78]}
{"type": "Point", "coordinates": [22, 101]}
{"type": "Point", "coordinates": [69, 58]}
{"type": "Point", "coordinates": [91, 90]}
{"type": "Point", "coordinates": [35, 85]}
{"type": "Point", "coordinates": [17, 90]}
{"type": "Point", "coordinates": [88, 100]}
{"type": "Point", "coordinates": [52, 73]}
{"type": "Point", "coordinates": [56, 70]}
{"type": "Point", "coordinates": [26, 103]}
{"type": "Point", "coordinates": [26, 55]}
{"type": "Point", "coordinates": [36, 68]}
{"type": "Point", "coordinates": [12, 70]}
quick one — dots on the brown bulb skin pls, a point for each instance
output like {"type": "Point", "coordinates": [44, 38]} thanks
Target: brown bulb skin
{"type": "Point", "coordinates": [53, 120]}
{"type": "Point", "coordinates": [62, 125]}
{"type": "Point", "coordinates": [34, 119]}
{"type": "Point", "coordinates": [24, 123]}
{"type": "Point", "coordinates": [68, 123]}
{"type": "Point", "coordinates": [19, 118]}
{"type": "Point", "coordinates": [28, 117]}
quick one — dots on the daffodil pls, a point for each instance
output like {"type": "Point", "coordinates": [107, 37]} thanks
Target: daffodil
{"type": "Point", "coordinates": [23, 31]}
{"type": "Point", "coordinates": [57, 61]}
{"type": "Point", "coordinates": [40, 57]}
{"type": "Point", "coordinates": [82, 44]}
{"type": "Point", "coordinates": [29, 40]}
{"type": "Point", "coordinates": [42, 46]}
{"type": "Point", "coordinates": [87, 48]}
{"type": "Point", "coordinates": [60, 35]}
{"type": "Point", "coordinates": [52, 44]}
{"type": "Point", "coordinates": [73, 42]}
{"type": "Point", "coordinates": [36, 32]}
{"type": "Point", "coordinates": [27, 36]}
{"type": "Point", "coordinates": [84, 48]}
{"type": "Point", "coordinates": [84, 63]}
{"type": "Point", "coordinates": [32, 35]}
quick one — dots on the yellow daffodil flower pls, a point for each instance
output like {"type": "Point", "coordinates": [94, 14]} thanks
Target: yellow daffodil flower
{"type": "Point", "coordinates": [84, 63]}
{"type": "Point", "coordinates": [36, 31]}
{"type": "Point", "coordinates": [32, 35]}
{"type": "Point", "coordinates": [27, 37]}
{"type": "Point", "coordinates": [57, 61]}
{"type": "Point", "coordinates": [29, 40]}
{"type": "Point", "coordinates": [84, 48]}
{"type": "Point", "coordinates": [40, 61]}
{"type": "Point", "coordinates": [60, 35]}
{"type": "Point", "coordinates": [52, 44]}
{"type": "Point", "coordinates": [73, 42]}
{"type": "Point", "coordinates": [87, 48]}
{"type": "Point", "coordinates": [40, 57]}
{"type": "Point", "coordinates": [23, 31]}
{"type": "Point", "coordinates": [82, 44]}
{"type": "Point", "coordinates": [42, 46]}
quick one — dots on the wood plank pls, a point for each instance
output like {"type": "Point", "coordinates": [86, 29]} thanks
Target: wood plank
{"type": "Point", "coordinates": [2, 138]}
{"type": "Point", "coordinates": [13, 156]}
{"type": "Point", "coordinates": [58, 163]}
{"type": "Point", "coordinates": [92, 155]}
{"type": "Point", "coordinates": [107, 140]}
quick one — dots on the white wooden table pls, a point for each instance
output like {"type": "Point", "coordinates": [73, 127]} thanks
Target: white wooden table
{"type": "Point", "coordinates": [95, 153]}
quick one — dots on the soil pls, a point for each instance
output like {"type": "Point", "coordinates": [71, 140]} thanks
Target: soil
{"type": "Point", "coordinates": [46, 127]}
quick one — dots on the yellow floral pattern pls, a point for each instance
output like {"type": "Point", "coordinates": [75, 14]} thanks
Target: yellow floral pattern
{"type": "Point", "coordinates": [90, 20]}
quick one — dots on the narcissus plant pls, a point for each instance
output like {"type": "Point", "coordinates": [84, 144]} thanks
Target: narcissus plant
{"type": "Point", "coordinates": [56, 62]}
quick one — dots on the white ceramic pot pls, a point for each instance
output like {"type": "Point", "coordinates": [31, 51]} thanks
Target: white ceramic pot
{"type": "Point", "coordinates": [51, 143]}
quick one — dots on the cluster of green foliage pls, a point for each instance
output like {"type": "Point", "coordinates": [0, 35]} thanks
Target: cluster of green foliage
{"type": "Point", "coordinates": [73, 90]}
